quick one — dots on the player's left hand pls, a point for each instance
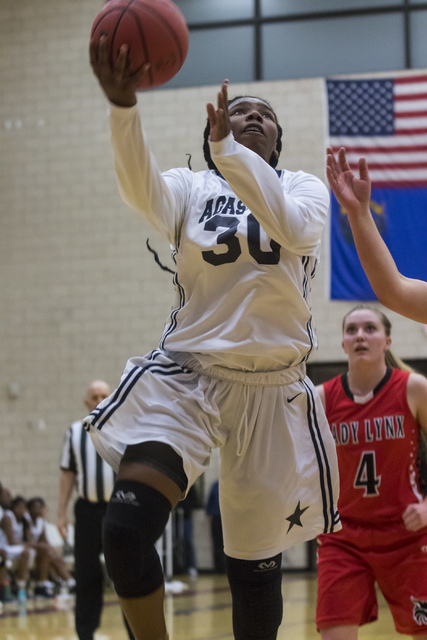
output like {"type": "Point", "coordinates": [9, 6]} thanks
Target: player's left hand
{"type": "Point", "coordinates": [219, 119]}
{"type": "Point", "coordinates": [352, 192]}
{"type": "Point", "coordinates": [415, 516]}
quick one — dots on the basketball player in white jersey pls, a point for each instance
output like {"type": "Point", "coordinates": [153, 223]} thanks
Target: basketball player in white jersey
{"type": "Point", "coordinates": [230, 370]}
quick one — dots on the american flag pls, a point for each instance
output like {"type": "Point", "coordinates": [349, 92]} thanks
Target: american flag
{"type": "Point", "coordinates": [384, 120]}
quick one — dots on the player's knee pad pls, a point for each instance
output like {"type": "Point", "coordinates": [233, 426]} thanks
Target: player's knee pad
{"type": "Point", "coordinates": [256, 588]}
{"type": "Point", "coordinates": [136, 517]}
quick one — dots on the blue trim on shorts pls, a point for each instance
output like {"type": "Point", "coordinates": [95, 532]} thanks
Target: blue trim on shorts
{"type": "Point", "coordinates": [322, 460]}
{"type": "Point", "coordinates": [127, 385]}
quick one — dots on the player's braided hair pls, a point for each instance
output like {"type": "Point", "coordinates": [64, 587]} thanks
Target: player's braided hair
{"type": "Point", "coordinates": [25, 524]}
{"type": "Point", "coordinates": [207, 152]}
{"type": "Point", "coordinates": [157, 259]}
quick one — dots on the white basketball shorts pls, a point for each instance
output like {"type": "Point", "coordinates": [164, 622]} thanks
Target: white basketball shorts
{"type": "Point", "coordinates": [14, 551]}
{"type": "Point", "coordinates": [279, 474]}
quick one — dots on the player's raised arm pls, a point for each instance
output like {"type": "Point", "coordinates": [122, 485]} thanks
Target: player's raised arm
{"type": "Point", "coordinates": [406, 296]}
{"type": "Point", "coordinates": [141, 184]}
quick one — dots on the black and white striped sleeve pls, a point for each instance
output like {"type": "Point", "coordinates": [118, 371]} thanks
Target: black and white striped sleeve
{"type": "Point", "coordinates": [68, 458]}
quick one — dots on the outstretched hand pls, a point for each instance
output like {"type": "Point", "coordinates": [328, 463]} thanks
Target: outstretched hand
{"type": "Point", "coordinates": [219, 120]}
{"type": "Point", "coordinates": [117, 83]}
{"type": "Point", "coordinates": [351, 192]}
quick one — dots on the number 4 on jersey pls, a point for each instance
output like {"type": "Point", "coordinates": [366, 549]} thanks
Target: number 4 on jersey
{"type": "Point", "coordinates": [366, 476]}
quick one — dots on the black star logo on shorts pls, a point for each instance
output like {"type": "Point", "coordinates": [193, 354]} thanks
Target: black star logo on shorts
{"type": "Point", "coordinates": [295, 518]}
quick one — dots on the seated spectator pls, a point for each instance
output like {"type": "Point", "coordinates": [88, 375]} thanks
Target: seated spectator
{"type": "Point", "coordinates": [56, 566]}
{"type": "Point", "coordinates": [13, 527]}
{"type": "Point", "coordinates": [5, 594]}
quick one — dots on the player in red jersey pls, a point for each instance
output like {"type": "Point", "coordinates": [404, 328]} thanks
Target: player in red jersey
{"type": "Point", "coordinates": [376, 413]}
{"type": "Point", "coordinates": [406, 296]}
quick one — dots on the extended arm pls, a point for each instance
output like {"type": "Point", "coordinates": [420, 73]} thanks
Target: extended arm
{"type": "Point", "coordinates": [141, 185]}
{"type": "Point", "coordinates": [66, 487]}
{"type": "Point", "coordinates": [404, 295]}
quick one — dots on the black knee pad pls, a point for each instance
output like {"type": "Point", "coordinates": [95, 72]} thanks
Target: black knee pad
{"type": "Point", "coordinates": [256, 589]}
{"type": "Point", "coordinates": [135, 519]}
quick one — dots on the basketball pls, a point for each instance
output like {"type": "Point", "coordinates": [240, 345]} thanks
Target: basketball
{"type": "Point", "coordinates": [155, 32]}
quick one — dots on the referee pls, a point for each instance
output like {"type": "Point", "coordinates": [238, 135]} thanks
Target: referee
{"type": "Point", "coordinates": [83, 469]}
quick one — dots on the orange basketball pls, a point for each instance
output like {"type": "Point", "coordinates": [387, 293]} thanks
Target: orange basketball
{"type": "Point", "coordinates": [155, 32]}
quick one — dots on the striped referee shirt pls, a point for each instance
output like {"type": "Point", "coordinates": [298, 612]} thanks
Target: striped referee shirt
{"type": "Point", "coordinates": [94, 477]}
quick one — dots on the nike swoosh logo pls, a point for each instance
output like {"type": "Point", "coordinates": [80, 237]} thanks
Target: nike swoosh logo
{"type": "Point", "coordinates": [293, 397]}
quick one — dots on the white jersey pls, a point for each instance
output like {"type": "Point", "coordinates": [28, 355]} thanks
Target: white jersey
{"type": "Point", "coordinates": [37, 528]}
{"type": "Point", "coordinates": [17, 529]}
{"type": "Point", "coordinates": [14, 551]}
{"type": "Point", "coordinates": [245, 253]}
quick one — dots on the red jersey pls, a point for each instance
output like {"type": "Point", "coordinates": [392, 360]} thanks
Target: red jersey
{"type": "Point", "coordinates": [377, 445]}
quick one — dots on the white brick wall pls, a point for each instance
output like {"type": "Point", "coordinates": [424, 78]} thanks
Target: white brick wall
{"type": "Point", "coordinates": [79, 291]}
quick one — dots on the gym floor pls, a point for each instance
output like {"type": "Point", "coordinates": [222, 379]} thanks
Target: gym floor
{"type": "Point", "coordinates": [197, 609]}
